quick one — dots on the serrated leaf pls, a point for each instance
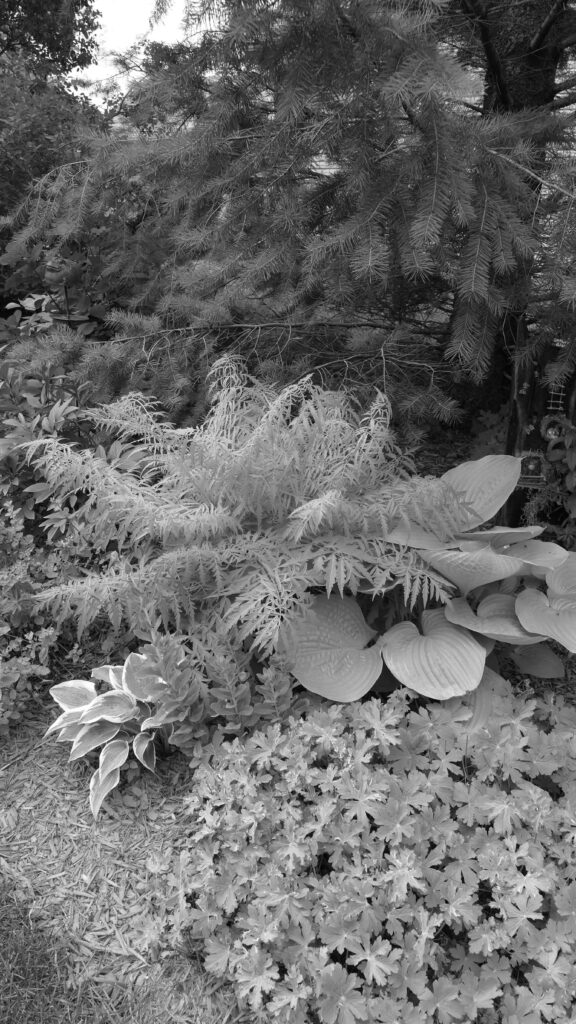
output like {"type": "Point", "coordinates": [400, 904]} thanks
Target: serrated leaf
{"type": "Point", "coordinates": [113, 707]}
{"type": "Point", "coordinates": [326, 649]}
{"type": "Point", "coordinates": [485, 485]}
{"type": "Point", "coordinates": [472, 568]}
{"type": "Point", "coordinates": [91, 737]}
{"type": "Point", "coordinates": [144, 749]}
{"type": "Point", "coordinates": [444, 662]}
{"type": "Point", "coordinates": [140, 681]}
{"type": "Point", "coordinates": [495, 617]}
{"type": "Point", "coordinates": [101, 787]}
{"type": "Point", "coordinates": [75, 693]}
{"type": "Point", "coordinates": [540, 662]}
{"type": "Point", "coordinates": [537, 612]}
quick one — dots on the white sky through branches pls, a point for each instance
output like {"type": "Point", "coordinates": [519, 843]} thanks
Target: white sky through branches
{"type": "Point", "coordinates": [123, 22]}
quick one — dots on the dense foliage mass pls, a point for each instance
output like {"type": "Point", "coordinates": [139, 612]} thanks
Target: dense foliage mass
{"type": "Point", "coordinates": [382, 862]}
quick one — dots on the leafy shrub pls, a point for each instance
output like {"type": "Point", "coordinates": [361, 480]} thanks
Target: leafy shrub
{"type": "Point", "coordinates": [376, 862]}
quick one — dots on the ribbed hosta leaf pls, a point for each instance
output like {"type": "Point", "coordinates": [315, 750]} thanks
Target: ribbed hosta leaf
{"type": "Point", "coordinates": [537, 612]}
{"type": "Point", "coordinates": [91, 737]}
{"type": "Point", "coordinates": [501, 536]}
{"type": "Point", "coordinates": [485, 485]}
{"type": "Point", "coordinates": [470, 569]}
{"type": "Point", "coordinates": [538, 553]}
{"type": "Point", "coordinates": [326, 649]}
{"type": "Point", "coordinates": [445, 662]}
{"type": "Point", "coordinates": [495, 617]}
{"type": "Point", "coordinates": [113, 707]}
{"type": "Point", "coordinates": [75, 693]}
{"type": "Point", "coordinates": [562, 580]}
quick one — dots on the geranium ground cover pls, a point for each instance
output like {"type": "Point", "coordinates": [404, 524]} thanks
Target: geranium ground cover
{"type": "Point", "coordinates": [388, 862]}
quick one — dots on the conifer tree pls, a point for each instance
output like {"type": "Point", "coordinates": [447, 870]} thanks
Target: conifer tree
{"type": "Point", "coordinates": [384, 183]}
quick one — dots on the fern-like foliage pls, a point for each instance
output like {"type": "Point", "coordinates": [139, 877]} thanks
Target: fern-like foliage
{"type": "Point", "coordinates": [224, 529]}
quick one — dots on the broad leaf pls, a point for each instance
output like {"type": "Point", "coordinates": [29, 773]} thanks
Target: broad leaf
{"type": "Point", "coordinates": [495, 617]}
{"type": "Point", "coordinates": [139, 680]}
{"type": "Point", "coordinates": [65, 719]}
{"type": "Point", "coordinates": [413, 536]}
{"type": "Point", "coordinates": [326, 649]}
{"type": "Point", "coordinates": [481, 701]}
{"type": "Point", "coordinates": [539, 553]}
{"type": "Point", "coordinates": [472, 568]}
{"type": "Point", "coordinates": [100, 787]}
{"type": "Point", "coordinates": [537, 613]}
{"type": "Point", "coordinates": [113, 756]}
{"type": "Point", "coordinates": [484, 485]}
{"type": "Point", "coordinates": [445, 662]}
{"type": "Point", "coordinates": [562, 580]}
{"type": "Point", "coordinates": [111, 674]}
{"type": "Point", "coordinates": [143, 746]}
{"type": "Point", "coordinates": [75, 693]}
{"type": "Point", "coordinates": [501, 536]}
{"type": "Point", "coordinates": [540, 662]}
{"type": "Point", "coordinates": [113, 707]}
{"type": "Point", "coordinates": [91, 737]}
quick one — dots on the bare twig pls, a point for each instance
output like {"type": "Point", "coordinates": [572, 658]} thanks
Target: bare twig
{"type": "Point", "coordinates": [540, 35]}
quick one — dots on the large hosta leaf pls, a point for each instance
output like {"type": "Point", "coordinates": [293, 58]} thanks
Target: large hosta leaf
{"type": "Point", "coordinates": [484, 485]}
{"type": "Point", "coordinates": [538, 553]}
{"type": "Point", "coordinates": [472, 568]}
{"type": "Point", "coordinates": [502, 536]}
{"type": "Point", "coordinates": [495, 617]}
{"type": "Point", "coordinates": [326, 649]}
{"type": "Point", "coordinates": [112, 706]}
{"type": "Point", "coordinates": [75, 693]}
{"type": "Point", "coordinates": [555, 619]}
{"type": "Point", "coordinates": [445, 662]}
{"type": "Point", "coordinates": [100, 787]}
{"type": "Point", "coordinates": [562, 580]}
{"type": "Point", "coordinates": [140, 679]}
{"type": "Point", "coordinates": [91, 737]}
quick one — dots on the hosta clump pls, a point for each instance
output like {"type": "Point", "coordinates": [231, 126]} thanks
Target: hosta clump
{"type": "Point", "coordinates": [373, 862]}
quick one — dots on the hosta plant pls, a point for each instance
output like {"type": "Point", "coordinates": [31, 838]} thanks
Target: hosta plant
{"type": "Point", "coordinates": [508, 588]}
{"type": "Point", "coordinates": [373, 862]}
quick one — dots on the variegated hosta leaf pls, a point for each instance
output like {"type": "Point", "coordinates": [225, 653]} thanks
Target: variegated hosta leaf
{"type": "Point", "coordinates": [484, 485]}
{"type": "Point", "coordinates": [100, 787]}
{"type": "Point", "coordinates": [537, 611]}
{"type": "Point", "coordinates": [562, 580]}
{"type": "Point", "coordinates": [445, 662]}
{"type": "Point", "coordinates": [66, 719]}
{"type": "Point", "coordinates": [473, 568]}
{"type": "Point", "coordinates": [495, 617]}
{"type": "Point", "coordinates": [326, 649]}
{"type": "Point", "coordinates": [113, 756]}
{"type": "Point", "coordinates": [140, 680]}
{"type": "Point", "coordinates": [75, 693]}
{"type": "Point", "coordinates": [144, 749]}
{"type": "Point", "coordinates": [539, 661]}
{"type": "Point", "coordinates": [92, 736]}
{"type": "Point", "coordinates": [113, 707]}
{"type": "Point", "coordinates": [111, 674]}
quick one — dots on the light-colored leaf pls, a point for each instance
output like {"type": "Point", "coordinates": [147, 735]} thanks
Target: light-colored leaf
{"type": "Point", "coordinates": [140, 681]}
{"type": "Point", "coordinates": [485, 485]}
{"type": "Point", "coordinates": [481, 700]}
{"type": "Point", "coordinates": [326, 649]}
{"type": "Point", "coordinates": [540, 662]}
{"type": "Point", "coordinates": [75, 693]}
{"type": "Point", "coordinates": [144, 749]}
{"type": "Point", "coordinates": [413, 536]}
{"type": "Point", "coordinates": [445, 662]}
{"type": "Point", "coordinates": [501, 536]}
{"type": "Point", "coordinates": [536, 612]}
{"type": "Point", "coordinates": [562, 580]}
{"type": "Point", "coordinates": [472, 568]}
{"type": "Point", "coordinates": [113, 756]}
{"type": "Point", "coordinates": [113, 707]}
{"type": "Point", "coordinates": [101, 787]}
{"type": "Point", "coordinates": [111, 674]}
{"type": "Point", "coordinates": [538, 552]}
{"type": "Point", "coordinates": [91, 737]}
{"type": "Point", "coordinates": [65, 719]}
{"type": "Point", "coordinates": [495, 617]}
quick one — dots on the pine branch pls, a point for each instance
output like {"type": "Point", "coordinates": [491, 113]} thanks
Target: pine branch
{"type": "Point", "coordinates": [540, 35]}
